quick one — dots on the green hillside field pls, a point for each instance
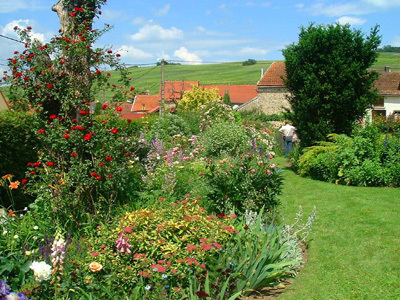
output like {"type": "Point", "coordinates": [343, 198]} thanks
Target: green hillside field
{"type": "Point", "coordinates": [149, 78]}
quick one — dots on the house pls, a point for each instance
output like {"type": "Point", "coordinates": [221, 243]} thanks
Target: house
{"type": "Point", "coordinates": [271, 92]}
{"type": "Point", "coordinates": [388, 102]}
{"type": "Point", "coordinates": [3, 102]}
{"type": "Point", "coordinates": [174, 90]}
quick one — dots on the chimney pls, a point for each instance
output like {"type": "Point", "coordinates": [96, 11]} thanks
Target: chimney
{"type": "Point", "coordinates": [262, 72]}
{"type": "Point", "coordinates": [387, 69]}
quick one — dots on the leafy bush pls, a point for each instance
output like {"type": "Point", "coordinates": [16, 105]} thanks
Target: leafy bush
{"type": "Point", "coordinates": [249, 62]}
{"type": "Point", "coordinates": [224, 138]}
{"type": "Point", "coordinates": [18, 146]}
{"type": "Point", "coordinates": [156, 247]}
{"type": "Point", "coordinates": [213, 112]}
{"type": "Point", "coordinates": [168, 125]}
{"type": "Point", "coordinates": [366, 159]}
{"type": "Point", "coordinates": [193, 99]}
{"type": "Point", "coordinates": [248, 182]}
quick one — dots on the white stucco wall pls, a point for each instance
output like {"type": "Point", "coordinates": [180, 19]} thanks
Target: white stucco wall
{"type": "Point", "coordinates": [392, 103]}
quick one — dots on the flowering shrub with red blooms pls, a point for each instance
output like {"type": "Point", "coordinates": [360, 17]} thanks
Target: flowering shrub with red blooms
{"type": "Point", "coordinates": [390, 124]}
{"type": "Point", "coordinates": [162, 244]}
{"type": "Point", "coordinates": [57, 80]}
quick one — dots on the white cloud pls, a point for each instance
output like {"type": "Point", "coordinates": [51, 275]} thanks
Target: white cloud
{"type": "Point", "coordinates": [204, 31]}
{"type": "Point", "coordinates": [360, 7]}
{"type": "Point", "coordinates": [152, 32]}
{"type": "Point", "coordinates": [183, 54]}
{"type": "Point", "coordinates": [396, 41]}
{"type": "Point", "coordinates": [139, 21]}
{"type": "Point", "coordinates": [253, 51]}
{"type": "Point", "coordinates": [7, 6]}
{"type": "Point", "coordinates": [337, 9]}
{"type": "Point", "coordinates": [266, 4]}
{"type": "Point", "coordinates": [8, 30]}
{"type": "Point", "coordinates": [134, 54]}
{"type": "Point", "coordinates": [162, 11]}
{"type": "Point", "coordinates": [112, 15]}
{"type": "Point", "coordinates": [351, 20]}
{"type": "Point", "coordinates": [385, 4]}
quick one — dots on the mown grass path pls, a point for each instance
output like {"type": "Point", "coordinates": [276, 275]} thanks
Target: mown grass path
{"type": "Point", "coordinates": [354, 252]}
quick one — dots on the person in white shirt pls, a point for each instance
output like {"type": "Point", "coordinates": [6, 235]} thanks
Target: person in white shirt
{"type": "Point", "coordinates": [288, 132]}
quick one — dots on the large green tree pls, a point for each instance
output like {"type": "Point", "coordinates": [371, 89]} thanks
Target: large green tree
{"type": "Point", "coordinates": [329, 79]}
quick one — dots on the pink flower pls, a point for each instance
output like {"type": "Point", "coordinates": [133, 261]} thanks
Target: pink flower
{"type": "Point", "coordinates": [253, 170]}
{"type": "Point", "coordinates": [123, 245]}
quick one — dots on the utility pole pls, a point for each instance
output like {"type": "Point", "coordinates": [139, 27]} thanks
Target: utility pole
{"type": "Point", "coordinates": [162, 106]}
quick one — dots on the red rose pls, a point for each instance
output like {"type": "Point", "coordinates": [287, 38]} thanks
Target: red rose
{"type": "Point", "coordinates": [114, 130]}
{"type": "Point", "coordinates": [23, 181]}
{"type": "Point", "coordinates": [73, 154]}
{"type": "Point", "coordinates": [53, 117]}
{"type": "Point", "coordinates": [41, 131]}
{"type": "Point", "coordinates": [87, 136]}
{"type": "Point", "coordinates": [50, 164]}
{"type": "Point", "coordinates": [49, 86]}
{"type": "Point", "coordinates": [119, 108]}
{"type": "Point", "coordinates": [65, 136]}
{"type": "Point", "coordinates": [129, 120]}
{"type": "Point", "coordinates": [104, 106]}
{"type": "Point", "coordinates": [83, 112]}
{"type": "Point", "coordinates": [108, 158]}
{"type": "Point", "coordinates": [73, 14]}
{"type": "Point", "coordinates": [32, 172]}
{"type": "Point", "coordinates": [110, 176]}
{"type": "Point", "coordinates": [127, 154]}
{"type": "Point", "coordinates": [101, 164]}
{"type": "Point", "coordinates": [94, 174]}
{"type": "Point", "coordinates": [117, 55]}
{"type": "Point", "coordinates": [109, 51]}
{"type": "Point", "coordinates": [98, 178]}
{"type": "Point", "coordinates": [36, 164]}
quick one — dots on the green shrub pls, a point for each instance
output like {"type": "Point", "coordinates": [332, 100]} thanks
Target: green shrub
{"type": "Point", "coordinates": [249, 62]}
{"type": "Point", "coordinates": [224, 138]}
{"type": "Point", "coordinates": [368, 158]}
{"type": "Point", "coordinates": [160, 246]}
{"type": "Point", "coordinates": [18, 146]}
{"type": "Point", "coordinates": [248, 182]}
{"type": "Point", "coordinates": [168, 125]}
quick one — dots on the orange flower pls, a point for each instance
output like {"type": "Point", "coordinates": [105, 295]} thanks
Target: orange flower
{"type": "Point", "coordinates": [95, 267]}
{"type": "Point", "coordinates": [14, 185]}
{"type": "Point", "coordinates": [11, 213]}
{"type": "Point", "coordinates": [7, 176]}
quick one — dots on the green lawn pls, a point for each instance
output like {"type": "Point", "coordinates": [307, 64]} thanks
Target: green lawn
{"type": "Point", "coordinates": [355, 248]}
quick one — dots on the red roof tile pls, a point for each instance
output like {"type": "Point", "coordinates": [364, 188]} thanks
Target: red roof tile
{"type": "Point", "coordinates": [388, 83]}
{"type": "Point", "coordinates": [133, 116]}
{"type": "Point", "coordinates": [238, 93]}
{"type": "Point", "coordinates": [173, 90]}
{"type": "Point", "coordinates": [272, 77]}
{"type": "Point", "coordinates": [145, 103]}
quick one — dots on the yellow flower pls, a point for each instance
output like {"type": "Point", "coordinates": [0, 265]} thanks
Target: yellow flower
{"type": "Point", "coordinates": [95, 267]}
{"type": "Point", "coordinates": [14, 185]}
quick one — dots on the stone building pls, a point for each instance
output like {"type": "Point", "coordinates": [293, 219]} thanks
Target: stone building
{"type": "Point", "coordinates": [271, 98]}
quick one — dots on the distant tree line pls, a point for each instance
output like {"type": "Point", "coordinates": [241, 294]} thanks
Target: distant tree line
{"type": "Point", "coordinates": [167, 63]}
{"type": "Point", "coordinates": [389, 48]}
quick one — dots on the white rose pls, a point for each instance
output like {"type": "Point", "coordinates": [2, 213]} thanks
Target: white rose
{"type": "Point", "coordinates": [42, 271]}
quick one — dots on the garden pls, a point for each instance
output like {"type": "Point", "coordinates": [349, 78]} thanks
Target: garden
{"type": "Point", "coordinates": [191, 204]}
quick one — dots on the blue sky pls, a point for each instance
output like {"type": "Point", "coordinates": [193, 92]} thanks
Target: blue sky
{"type": "Point", "coordinates": [203, 31]}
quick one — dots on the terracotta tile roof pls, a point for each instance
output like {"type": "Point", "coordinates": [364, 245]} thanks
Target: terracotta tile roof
{"type": "Point", "coordinates": [133, 116]}
{"type": "Point", "coordinates": [272, 77]}
{"type": "Point", "coordinates": [239, 94]}
{"type": "Point", "coordinates": [126, 108]}
{"type": "Point", "coordinates": [173, 90]}
{"type": "Point", "coordinates": [388, 83]}
{"type": "Point", "coordinates": [145, 103]}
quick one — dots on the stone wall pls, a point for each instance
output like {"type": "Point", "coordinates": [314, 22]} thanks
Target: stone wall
{"type": "Point", "coordinates": [270, 100]}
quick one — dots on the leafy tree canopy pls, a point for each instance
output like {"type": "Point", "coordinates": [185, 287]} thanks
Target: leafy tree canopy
{"type": "Point", "coordinates": [193, 99]}
{"type": "Point", "coordinates": [328, 77]}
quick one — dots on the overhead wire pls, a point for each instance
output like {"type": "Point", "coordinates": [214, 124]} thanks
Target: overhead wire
{"type": "Point", "coordinates": [10, 38]}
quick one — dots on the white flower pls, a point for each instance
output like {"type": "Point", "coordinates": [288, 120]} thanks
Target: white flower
{"type": "Point", "coordinates": [5, 232]}
{"type": "Point", "coordinates": [35, 227]}
{"type": "Point", "coordinates": [16, 236]}
{"type": "Point", "coordinates": [42, 271]}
